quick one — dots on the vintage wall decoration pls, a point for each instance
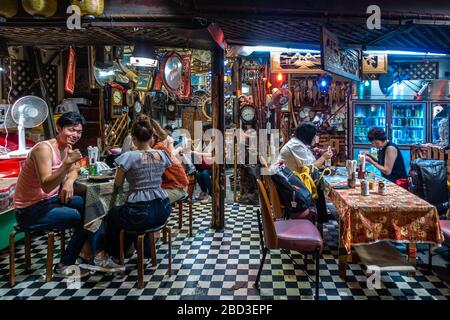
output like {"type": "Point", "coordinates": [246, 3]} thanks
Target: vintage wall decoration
{"type": "Point", "coordinates": [295, 62]}
{"type": "Point", "coordinates": [176, 74]}
{"type": "Point", "coordinates": [9, 8]}
{"type": "Point", "coordinates": [374, 62]}
{"type": "Point", "coordinates": [145, 82]}
{"type": "Point", "coordinates": [339, 59]}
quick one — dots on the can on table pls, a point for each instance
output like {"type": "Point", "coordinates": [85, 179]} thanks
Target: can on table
{"type": "Point", "coordinates": [364, 188]}
{"type": "Point", "coordinates": [382, 188]}
{"type": "Point", "coordinates": [93, 169]}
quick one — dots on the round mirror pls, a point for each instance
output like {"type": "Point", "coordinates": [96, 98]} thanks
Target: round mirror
{"type": "Point", "coordinates": [172, 72]}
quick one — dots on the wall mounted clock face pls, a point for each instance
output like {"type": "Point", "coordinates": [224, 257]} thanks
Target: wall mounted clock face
{"type": "Point", "coordinates": [137, 106]}
{"type": "Point", "coordinates": [248, 114]}
{"type": "Point", "coordinates": [117, 96]}
{"type": "Point", "coordinates": [171, 108]}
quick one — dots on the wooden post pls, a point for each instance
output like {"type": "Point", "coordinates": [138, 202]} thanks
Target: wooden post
{"type": "Point", "coordinates": [237, 85]}
{"type": "Point", "coordinates": [101, 111]}
{"type": "Point", "coordinates": [39, 72]}
{"type": "Point", "coordinates": [218, 172]}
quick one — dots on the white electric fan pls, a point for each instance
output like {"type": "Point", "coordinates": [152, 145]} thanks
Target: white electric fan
{"type": "Point", "coordinates": [27, 112]}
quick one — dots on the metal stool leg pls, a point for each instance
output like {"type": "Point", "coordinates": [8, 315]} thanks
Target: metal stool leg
{"type": "Point", "coordinates": [317, 273]}
{"type": "Point", "coordinates": [140, 260]}
{"type": "Point", "coordinates": [27, 251]}
{"type": "Point", "coordinates": [49, 264]}
{"type": "Point", "coordinates": [12, 258]}
{"type": "Point", "coordinates": [152, 248]}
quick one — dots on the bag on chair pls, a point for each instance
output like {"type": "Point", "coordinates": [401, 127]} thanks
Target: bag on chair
{"type": "Point", "coordinates": [294, 195]}
{"type": "Point", "coordinates": [428, 180]}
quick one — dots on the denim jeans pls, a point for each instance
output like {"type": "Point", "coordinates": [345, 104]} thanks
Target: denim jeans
{"type": "Point", "coordinates": [135, 217]}
{"type": "Point", "coordinates": [203, 177]}
{"type": "Point", "coordinates": [52, 214]}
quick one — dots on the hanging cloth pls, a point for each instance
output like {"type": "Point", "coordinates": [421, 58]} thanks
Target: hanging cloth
{"type": "Point", "coordinates": [70, 74]}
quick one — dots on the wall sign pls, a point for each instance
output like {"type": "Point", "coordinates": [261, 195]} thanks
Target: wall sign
{"type": "Point", "coordinates": [295, 62]}
{"type": "Point", "coordinates": [339, 59]}
{"type": "Point", "coordinates": [374, 62]}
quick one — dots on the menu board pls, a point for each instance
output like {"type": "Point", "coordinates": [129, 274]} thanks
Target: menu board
{"type": "Point", "coordinates": [338, 58]}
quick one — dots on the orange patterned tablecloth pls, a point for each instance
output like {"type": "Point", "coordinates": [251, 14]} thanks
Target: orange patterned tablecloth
{"type": "Point", "coordinates": [398, 216]}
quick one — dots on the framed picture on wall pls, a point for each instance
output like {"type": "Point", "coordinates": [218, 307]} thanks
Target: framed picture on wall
{"type": "Point", "coordinates": [374, 62]}
{"type": "Point", "coordinates": [339, 58]}
{"type": "Point", "coordinates": [145, 82]}
{"type": "Point", "coordinates": [295, 62]}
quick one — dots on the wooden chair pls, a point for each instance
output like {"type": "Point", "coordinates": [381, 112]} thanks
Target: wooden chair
{"type": "Point", "coordinates": [50, 249]}
{"type": "Point", "coordinates": [294, 234]}
{"type": "Point", "coordinates": [140, 235]}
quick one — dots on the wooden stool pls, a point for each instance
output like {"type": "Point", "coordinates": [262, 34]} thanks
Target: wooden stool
{"type": "Point", "coordinates": [186, 198]}
{"type": "Point", "coordinates": [50, 248]}
{"type": "Point", "coordinates": [140, 249]}
{"type": "Point", "coordinates": [180, 212]}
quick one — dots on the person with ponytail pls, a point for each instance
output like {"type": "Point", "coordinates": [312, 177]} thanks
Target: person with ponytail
{"type": "Point", "coordinates": [148, 204]}
{"type": "Point", "coordinates": [175, 180]}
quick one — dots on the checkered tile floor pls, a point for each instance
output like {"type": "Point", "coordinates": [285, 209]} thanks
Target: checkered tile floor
{"type": "Point", "coordinates": [221, 265]}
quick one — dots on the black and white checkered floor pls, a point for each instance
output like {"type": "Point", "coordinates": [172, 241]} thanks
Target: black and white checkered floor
{"type": "Point", "coordinates": [221, 265]}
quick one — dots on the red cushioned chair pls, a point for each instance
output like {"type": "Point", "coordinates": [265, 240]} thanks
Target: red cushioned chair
{"type": "Point", "coordinates": [295, 234]}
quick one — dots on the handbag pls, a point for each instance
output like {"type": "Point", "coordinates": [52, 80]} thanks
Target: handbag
{"type": "Point", "coordinates": [294, 195]}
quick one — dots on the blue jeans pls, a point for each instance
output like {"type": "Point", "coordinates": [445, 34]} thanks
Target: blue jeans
{"type": "Point", "coordinates": [52, 214]}
{"type": "Point", "coordinates": [135, 217]}
{"type": "Point", "coordinates": [204, 177]}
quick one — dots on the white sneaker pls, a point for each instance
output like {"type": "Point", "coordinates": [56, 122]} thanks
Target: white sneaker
{"type": "Point", "coordinates": [206, 199]}
{"type": "Point", "coordinates": [105, 265]}
{"type": "Point", "coordinates": [201, 196]}
{"type": "Point", "coordinates": [70, 272]}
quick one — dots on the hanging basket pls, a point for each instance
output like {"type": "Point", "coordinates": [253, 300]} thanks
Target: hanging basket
{"type": "Point", "coordinates": [42, 8]}
{"type": "Point", "coordinates": [9, 8]}
{"type": "Point", "coordinates": [90, 7]}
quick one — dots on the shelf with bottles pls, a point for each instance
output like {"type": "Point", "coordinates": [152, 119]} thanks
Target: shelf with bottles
{"type": "Point", "coordinates": [408, 111]}
{"type": "Point", "coordinates": [408, 127]}
{"type": "Point", "coordinates": [408, 122]}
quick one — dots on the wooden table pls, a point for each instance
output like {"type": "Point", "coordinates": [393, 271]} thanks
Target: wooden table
{"type": "Point", "coordinates": [398, 216]}
{"type": "Point", "coordinates": [99, 198]}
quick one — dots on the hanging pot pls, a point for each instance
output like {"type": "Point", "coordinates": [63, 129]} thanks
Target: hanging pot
{"type": "Point", "coordinates": [90, 7]}
{"type": "Point", "coordinates": [9, 8]}
{"type": "Point", "coordinates": [43, 8]}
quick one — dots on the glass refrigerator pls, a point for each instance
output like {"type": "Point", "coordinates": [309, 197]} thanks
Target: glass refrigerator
{"type": "Point", "coordinates": [404, 123]}
{"type": "Point", "coordinates": [440, 113]}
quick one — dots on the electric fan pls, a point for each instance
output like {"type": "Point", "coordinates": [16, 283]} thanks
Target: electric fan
{"type": "Point", "coordinates": [27, 112]}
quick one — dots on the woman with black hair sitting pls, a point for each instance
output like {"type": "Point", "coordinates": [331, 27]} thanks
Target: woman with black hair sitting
{"type": "Point", "coordinates": [390, 160]}
{"type": "Point", "coordinates": [298, 152]}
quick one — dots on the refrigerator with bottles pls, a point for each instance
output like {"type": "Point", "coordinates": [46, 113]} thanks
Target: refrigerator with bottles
{"type": "Point", "coordinates": [405, 123]}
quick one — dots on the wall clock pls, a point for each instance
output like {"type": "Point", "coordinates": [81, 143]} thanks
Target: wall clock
{"type": "Point", "coordinates": [248, 114]}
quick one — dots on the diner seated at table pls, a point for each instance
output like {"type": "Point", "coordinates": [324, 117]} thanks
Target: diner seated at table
{"type": "Point", "coordinates": [148, 204]}
{"type": "Point", "coordinates": [174, 180]}
{"type": "Point", "coordinates": [44, 197]}
{"type": "Point", "coordinates": [298, 152]}
{"type": "Point", "coordinates": [390, 159]}
{"type": "Point", "coordinates": [203, 159]}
